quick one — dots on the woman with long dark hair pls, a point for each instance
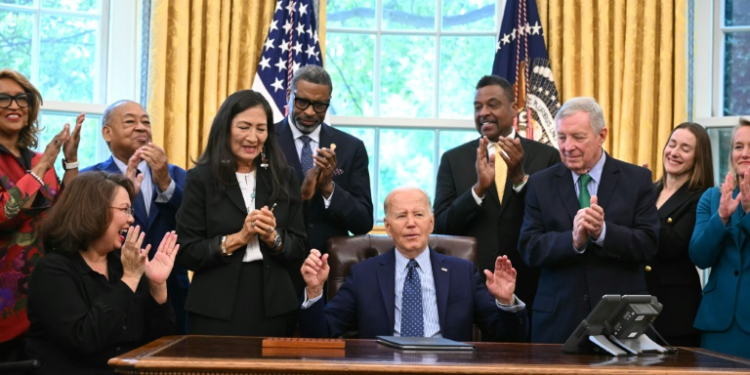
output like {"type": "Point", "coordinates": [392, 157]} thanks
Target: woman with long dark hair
{"type": "Point", "coordinates": [241, 226]}
{"type": "Point", "coordinates": [671, 276]}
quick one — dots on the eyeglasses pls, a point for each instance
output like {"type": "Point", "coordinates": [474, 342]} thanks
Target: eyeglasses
{"type": "Point", "coordinates": [127, 210]}
{"type": "Point", "coordinates": [302, 104]}
{"type": "Point", "coordinates": [22, 100]}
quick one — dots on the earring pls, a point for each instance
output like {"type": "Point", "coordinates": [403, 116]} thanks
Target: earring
{"type": "Point", "coordinates": [263, 160]}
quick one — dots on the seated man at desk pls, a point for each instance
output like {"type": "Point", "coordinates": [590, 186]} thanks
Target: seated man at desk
{"type": "Point", "coordinates": [413, 290]}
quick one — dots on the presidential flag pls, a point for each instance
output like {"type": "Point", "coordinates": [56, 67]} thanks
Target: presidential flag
{"type": "Point", "coordinates": [292, 43]}
{"type": "Point", "coordinates": [521, 58]}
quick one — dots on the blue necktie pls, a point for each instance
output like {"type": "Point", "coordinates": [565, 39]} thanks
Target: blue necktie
{"type": "Point", "coordinates": [306, 158]}
{"type": "Point", "coordinates": [412, 323]}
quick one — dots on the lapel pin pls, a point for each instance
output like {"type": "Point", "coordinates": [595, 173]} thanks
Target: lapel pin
{"type": "Point", "coordinates": [333, 147]}
{"type": "Point", "coordinates": [444, 269]}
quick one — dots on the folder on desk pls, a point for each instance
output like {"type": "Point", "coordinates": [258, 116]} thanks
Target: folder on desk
{"type": "Point", "coordinates": [423, 343]}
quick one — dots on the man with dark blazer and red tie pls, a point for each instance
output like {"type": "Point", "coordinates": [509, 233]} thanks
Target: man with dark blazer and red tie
{"type": "Point", "coordinates": [330, 165]}
{"type": "Point", "coordinates": [467, 202]}
{"type": "Point", "coordinates": [413, 290]}
{"type": "Point", "coordinates": [127, 131]}
{"type": "Point", "coordinates": [590, 225]}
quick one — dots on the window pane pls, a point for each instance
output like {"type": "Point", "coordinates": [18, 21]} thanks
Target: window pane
{"type": "Point", "coordinates": [73, 5]}
{"type": "Point", "coordinates": [351, 73]}
{"type": "Point", "coordinates": [18, 2]}
{"type": "Point", "coordinates": [52, 123]}
{"type": "Point", "coordinates": [367, 136]}
{"type": "Point", "coordinates": [473, 15]}
{"type": "Point", "coordinates": [409, 15]}
{"type": "Point", "coordinates": [407, 76]}
{"type": "Point", "coordinates": [737, 74]}
{"type": "Point", "coordinates": [405, 158]}
{"type": "Point", "coordinates": [737, 12]}
{"type": "Point", "coordinates": [463, 61]}
{"type": "Point", "coordinates": [452, 138]}
{"type": "Point", "coordinates": [721, 146]}
{"type": "Point", "coordinates": [357, 14]}
{"type": "Point", "coordinates": [15, 44]}
{"type": "Point", "coordinates": [68, 57]}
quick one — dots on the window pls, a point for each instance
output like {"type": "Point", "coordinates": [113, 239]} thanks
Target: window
{"type": "Point", "coordinates": [735, 39]}
{"type": "Point", "coordinates": [403, 75]}
{"type": "Point", "coordinates": [61, 46]}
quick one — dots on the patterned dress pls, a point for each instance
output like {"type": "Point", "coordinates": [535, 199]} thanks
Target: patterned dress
{"type": "Point", "coordinates": [20, 247]}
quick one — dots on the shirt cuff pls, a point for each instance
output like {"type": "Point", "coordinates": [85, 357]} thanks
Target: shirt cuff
{"type": "Point", "coordinates": [164, 197]}
{"type": "Point", "coordinates": [515, 306]}
{"type": "Point", "coordinates": [476, 197]}
{"type": "Point", "coordinates": [600, 241]}
{"type": "Point", "coordinates": [309, 302]}
{"type": "Point", "coordinates": [327, 201]}
{"type": "Point", "coordinates": [519, 187]}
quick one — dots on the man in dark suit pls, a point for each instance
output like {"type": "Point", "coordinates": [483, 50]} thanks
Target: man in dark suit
{"type": "Point", "coordinates": [330, 165]}
{"type": "Point", "coordinates": [127, 130]}
{"type": "Point", "coordinates": [466, 197]}
{"type": "Point", "coordinates": [582, 254]}
{"type": "Point", "coordinates": [435, 295]}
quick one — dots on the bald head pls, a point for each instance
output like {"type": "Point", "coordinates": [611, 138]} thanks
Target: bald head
{"type": "Point", "coordinates": [412, 191]}
{"type": "Point", "coordinates": [126, 127]}
{"type": "Point", "coordinates": [409, 220]}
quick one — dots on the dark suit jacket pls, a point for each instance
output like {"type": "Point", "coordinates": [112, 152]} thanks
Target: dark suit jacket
{"type": "Point", "coordinates": [208, 214]}
{"type": "Point", "coordinates": [673, 278]}
{"type": "Point", "coordinates": [496, 227]}
{"type": "Point", "coordinates": [366, 301]}
{"type": "Point", "coordinates": [724, 248]}
{"type": "Point", "coordinates": [571, 284]}
{"type": "Point", "coordinates": [160, 221]}
{"type": "Point", "coordinates": [351, 203]}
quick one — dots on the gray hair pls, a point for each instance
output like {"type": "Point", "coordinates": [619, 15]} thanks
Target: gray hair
{"type": "Point", "coordinates": [583, 104]}
{"type": "Point", "coordinates": [107, 116]}
{"type": "Point", "coordinates": [313, 74]}
{"type": "Point", "coordinates": [408, 187]}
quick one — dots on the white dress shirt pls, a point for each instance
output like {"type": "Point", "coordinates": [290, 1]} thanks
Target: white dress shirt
{"type": "Point", "coordinates": [147, 185]}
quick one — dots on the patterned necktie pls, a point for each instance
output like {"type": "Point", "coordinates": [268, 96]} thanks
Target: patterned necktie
{"type": "Point", "coordinates": [501, 173]}
{"type": "Point", "coordinates": [412, 324]}
{"type": "Point", "coordinates": [584, 198]}
{"type": "Point", "coordinates": [306, 158]}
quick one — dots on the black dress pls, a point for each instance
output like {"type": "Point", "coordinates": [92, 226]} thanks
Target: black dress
{"type": "Point", "coordinates": [80, 319]}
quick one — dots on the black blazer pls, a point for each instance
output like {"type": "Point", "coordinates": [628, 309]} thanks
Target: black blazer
{"type": "Point", "coordinates": [673, 278]}
{"type": "Point", "coordinates": [206, 215]}
{"type": "Point", "coordinates": [571, 283]}
{"type": "Point", "coordinates": [496, 227]}
{"type": "Point", "coordinates": [351, 203]}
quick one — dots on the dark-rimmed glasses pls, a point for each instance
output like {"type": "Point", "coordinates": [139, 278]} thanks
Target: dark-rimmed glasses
{"type": "Point", "coordinates": [302, 104]}
{"type": "Point", "coordinates": [22, 100]}
{"type": "Point", "coordinates": [127, 210]}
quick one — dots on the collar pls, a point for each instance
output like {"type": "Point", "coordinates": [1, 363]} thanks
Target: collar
{"type": "Point", "coordinates": [26, 156]}
{"type": "Point", "coordinates": [142, 166]}
{"type": "Point", "coordinates": [296, 134]}
{"type": "Point", "coordinates": [595, 172]}
{"type": "Point", "coordinates": [423, 259]}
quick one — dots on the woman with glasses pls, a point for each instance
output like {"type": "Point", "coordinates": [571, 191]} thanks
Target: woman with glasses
{"type": "Point", "coordinates": [720, 241]}
{"type": "Point", "coordinates": [241, 226]}
{"type": "Point", "coordinates": [95, 295]}
{"type": "Point", "coordinates": [28, 187]}
{"type": "Point", "coordinates": [671, 276]}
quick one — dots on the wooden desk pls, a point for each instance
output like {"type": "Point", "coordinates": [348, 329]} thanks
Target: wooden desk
{"type": "Point", "coordinates": [232, 355]}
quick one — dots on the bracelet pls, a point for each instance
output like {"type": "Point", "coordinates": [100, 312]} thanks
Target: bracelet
{"type": "Point", "coordinates": [35, 177]}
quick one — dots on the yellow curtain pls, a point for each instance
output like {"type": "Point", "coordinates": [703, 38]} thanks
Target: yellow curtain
{"type": "Point", "coordinates": [631, 55]}
{"type": "Point", "coordinates": [201, 51]}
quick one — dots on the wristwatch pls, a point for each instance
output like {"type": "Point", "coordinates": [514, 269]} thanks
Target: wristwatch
{"type": "Point", "coordinates": [68, 166]}
{"type": "Point", "coordinates": [277, 241]}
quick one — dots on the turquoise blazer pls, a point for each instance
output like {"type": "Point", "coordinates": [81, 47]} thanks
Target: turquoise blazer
{"type": "Point", "coordinates": [724, 248]}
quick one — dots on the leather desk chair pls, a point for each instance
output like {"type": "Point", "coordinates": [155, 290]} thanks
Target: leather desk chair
{"type": "Point", "coordinates": [344, 252]}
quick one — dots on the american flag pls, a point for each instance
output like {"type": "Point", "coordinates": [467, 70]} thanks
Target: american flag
{"type": "Point", "coordinates": [521, 58]}
{"type": "Point", "coordinates": [292, 43]}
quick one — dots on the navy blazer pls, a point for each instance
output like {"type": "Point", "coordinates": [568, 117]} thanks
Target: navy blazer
{"type": "Point", "coordinates": [725, 249]}
{"type": "Point", "coordinates": [162, 218]}
{"type": "Point", "coordinates": [571, 284]}
{"type": "Point", "coordinates": [366, 303]}
{"type": "Point", "coordinates": [351, 203]}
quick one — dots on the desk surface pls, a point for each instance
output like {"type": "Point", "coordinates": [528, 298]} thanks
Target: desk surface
{"type": "Point", "coordinates": [224, 355]}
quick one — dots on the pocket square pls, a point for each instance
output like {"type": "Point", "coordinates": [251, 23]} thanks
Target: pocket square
{"type": "Point", "coordinates": [338, 172]}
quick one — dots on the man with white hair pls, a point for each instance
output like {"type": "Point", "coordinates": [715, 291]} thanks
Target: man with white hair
{"type": "Point", "coordinates": [590, 225]}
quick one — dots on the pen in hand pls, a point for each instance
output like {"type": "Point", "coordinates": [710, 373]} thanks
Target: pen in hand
{"type": "Point", "coordinates": [272, 207]}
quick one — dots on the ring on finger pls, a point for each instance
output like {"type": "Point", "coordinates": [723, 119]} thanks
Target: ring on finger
{"type": "Point", "coordinates": [252, 224]}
